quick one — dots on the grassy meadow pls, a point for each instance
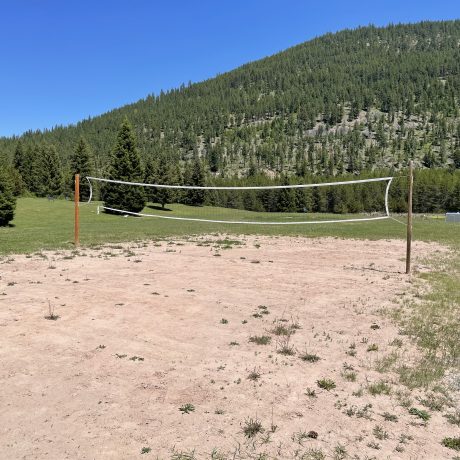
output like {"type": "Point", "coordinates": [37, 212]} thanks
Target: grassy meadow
{"type": "Point", "coordinates": [42, 224]}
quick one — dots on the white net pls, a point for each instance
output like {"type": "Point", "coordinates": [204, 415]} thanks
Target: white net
{"type": "Point", "coordinates": [319, 203]}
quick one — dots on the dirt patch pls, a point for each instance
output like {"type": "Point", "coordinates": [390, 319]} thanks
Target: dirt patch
{"type": "Point", "coordinates": [188, 345]}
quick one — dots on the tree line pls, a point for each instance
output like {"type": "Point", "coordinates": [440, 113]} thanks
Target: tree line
{"type": "Point", "coordinates": [37, 170]}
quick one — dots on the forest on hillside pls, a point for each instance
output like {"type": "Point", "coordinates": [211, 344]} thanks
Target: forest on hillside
{"type": "Point", "coordinates": [359, 102]}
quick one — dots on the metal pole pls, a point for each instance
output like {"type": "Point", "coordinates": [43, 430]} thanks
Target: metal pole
{"type": "Point", "coordinates": [409, 216]}
{"type": "Point", "coordinates": [77, 209]}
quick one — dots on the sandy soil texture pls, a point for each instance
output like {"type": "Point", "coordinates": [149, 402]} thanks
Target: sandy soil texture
{"type": "Point", "coordinates": [145, 330]}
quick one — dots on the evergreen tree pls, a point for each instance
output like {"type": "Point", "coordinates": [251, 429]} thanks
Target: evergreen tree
{"type": "Point", "coordinates": [125, 165]}
{"type": "Point", "coordinates": [197, 178]}
{"type": "Point", "coordinates": [47, 172]}
{"type": "Point", "coordinates": [81, 162]}
{"type": "Point", "coordinates": [7, 198]}
{"type": "Point", "coordinates": [286, 198]}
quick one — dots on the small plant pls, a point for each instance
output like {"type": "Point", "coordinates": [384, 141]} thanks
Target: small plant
{"type": "Point", "coordinates": [233, 344]}
{"type": "Point", "coordinates": [350, 376]}
{"type": "Point", "coordinates": [252, 427]}
{"type": "Point", "coordinates": [389, 417]}
{"type": "Point", "coordinates": [326, 384]}
{"type": "Point", "coordinates": [120, 356]}
{"type": "Point", "coordinates": [373, 347]}
{"type": "Point", "coordinates": [451, 443]}
{"type": "Point", "coordinates": [374, 445]}
{"type": "Point", "coordinates": [454, 418]}
{"type": "Point", "coordinates": [224, 321]}
{"type": "Point", "coordinates": [375, 327]}
{"type": "Point", "coordinates": [309, 357]}
{"type": "Point", "coordinates": [187, 408]}
{"type": "Point", "coordinates": [379, 388]}
{"type": "Point", "coordinates": [183, 455]}
{"type": "Point", "coordinates": [403, 438]}
{"type": "Point", "coordinates": [281, 329]}
{"type": "Point", "coordinates": [396, 342]}
{"type": "Point", "coordinates": [101, 347]}
{"type": "Point", "coordinates": [313, 454]}
{"type": "Point", "coordinates": [51, 315]}
{"type": "Point", "coordinates": [254, 376]}
{"type": "Point", "coordinates": [146, 450]}
{"type": "Point", "coordinates": [219, 412]}
{"type": "Point", "coordinates": [420, 413]}
{"type": "Point", "coordinates": [136, 358]}
{"type": "Point", "coordinates": [260, 339]}
{"type": "Point", "coordinates": [340, 452]}
{"type": "Point", "coordinates": [310, 393]}
{"type": "Point", "coordinates": [380, 433]}
{"type": "Point", "coordinates": [299, 437]}
{"type": "Point", "coordinates": [286, 349]}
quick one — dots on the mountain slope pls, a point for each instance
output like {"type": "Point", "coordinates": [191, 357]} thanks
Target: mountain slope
{"type": "Point", "coordinates": [358, 99]}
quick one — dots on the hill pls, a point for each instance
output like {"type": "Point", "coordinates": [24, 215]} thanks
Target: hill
{"type": "Point", "coordinates": [357, 100]}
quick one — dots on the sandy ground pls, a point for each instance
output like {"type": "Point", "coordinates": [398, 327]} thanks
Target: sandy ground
{"type": "Point", "coordinates": [75, 388]}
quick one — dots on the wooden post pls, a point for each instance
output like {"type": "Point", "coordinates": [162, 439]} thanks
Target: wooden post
{"type": "Point", "coordinates": [77, 209]}
{"type": "Point", "coordinates": [409, 216]}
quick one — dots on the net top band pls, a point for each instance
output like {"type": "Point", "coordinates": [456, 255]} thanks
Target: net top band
{"type": "Point", "coordinates": [262, 187]}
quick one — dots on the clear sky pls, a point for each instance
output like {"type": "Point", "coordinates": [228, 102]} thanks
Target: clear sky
{"type": "Point", "coordinates": [64, 60]}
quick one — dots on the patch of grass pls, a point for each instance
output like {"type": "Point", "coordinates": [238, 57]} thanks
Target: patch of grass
{"type": "Point", "coordinates": [136, 358]}
{"type": "Point", "coordinates": [313, 454]}
{"type": "Point", "coordinates": [379, 388]}
{"type": "Point", "coordinates": [451, 443]}
{"type": "Point", "coordinates": [233, 344]}
{"type": "Point", "coordinates": [310, 393]}
{"type": "Point", "coordinates": [187, 408]}
{"type": "Point", "coordinates": [420, 413]}
{"type": "Point", "coordinates": [183, 455]}
{"type": "Point", "coordinates": [309, 357]}
{"type": "Point", "coordinates": [373, 347]}
{"type": "Point", "coordinates": [380, 433]}
{"type": "Point", "coordinates": [340, 452]}
{"type": "Point", "coordinates": [146, 450]}
{"type": "Point", "coordinates": [363, 412]}
{"type": "Point", "coordinates": [389, 417]}
{"type": "Point", "coordinates": [224, 321]}
{"type": "Point", "coordinates": [254, 375]}
{"type": "Point", "coordinates": [326, 384]}
{"type": "Point", "coordinates": [386, 363]}
{"type": "Point", "coordinates": [285, 348]}
{"type": "Point", "coordinates": [454, 418]}
{"type": "Point", "coordinates": [120, 356]}
{"type": "Point", "coordinates": [252, 427]}
{"type": "Point", "coordinates": [260, 339]}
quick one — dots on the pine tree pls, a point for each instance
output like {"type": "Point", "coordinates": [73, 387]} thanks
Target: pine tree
{"type": "Point", "coordinates": [197, 177]}
{"type": "Point", "coordinates": [125, 165]}
{"type": "Point", "coordinates": [7, 198]}
{"type": "Point", "coordinates": [286, 198]}
{"type": "Point", "coordinates": [47, 172]}
{"type": "Point", "coordinates": [81, 162]}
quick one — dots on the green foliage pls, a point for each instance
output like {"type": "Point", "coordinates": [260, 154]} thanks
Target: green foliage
{"type": "Point", "coordinates": [125, 165]}
{"type": "Point", "coordinates": [81, 162]}
{"type": "Point", "coordinates": [451, 443]}
{"type": "Point", "coordinates": [7, 198]}
{"type": "Point", "coordinates": [47, 172]}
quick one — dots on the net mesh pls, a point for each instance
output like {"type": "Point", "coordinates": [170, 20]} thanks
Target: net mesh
{"type": "Point", "coordinates": [328, 202]}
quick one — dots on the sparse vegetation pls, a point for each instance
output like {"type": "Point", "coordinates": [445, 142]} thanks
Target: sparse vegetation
{"type": "Point", "coordinates": [252, 427]}
{"type": "Point", "coordinates": [326, 384]}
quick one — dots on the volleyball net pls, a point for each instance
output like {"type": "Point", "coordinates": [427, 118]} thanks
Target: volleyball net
{"type": "Point", "coordinates": [293, 204]}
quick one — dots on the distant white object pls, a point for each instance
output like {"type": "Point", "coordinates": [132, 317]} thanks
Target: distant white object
{"type": "Point", "coordinates": [453, 217]}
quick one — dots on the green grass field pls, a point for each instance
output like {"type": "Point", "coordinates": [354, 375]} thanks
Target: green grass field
{"type": "Point", "coordinates": [42, 224]}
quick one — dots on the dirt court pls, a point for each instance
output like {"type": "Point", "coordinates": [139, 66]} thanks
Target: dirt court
{"type": "Point", "coordinates": [148, 329]}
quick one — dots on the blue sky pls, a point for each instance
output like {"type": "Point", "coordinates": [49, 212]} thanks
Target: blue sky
{"type": "Point", "coordinates": [62, 61]}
